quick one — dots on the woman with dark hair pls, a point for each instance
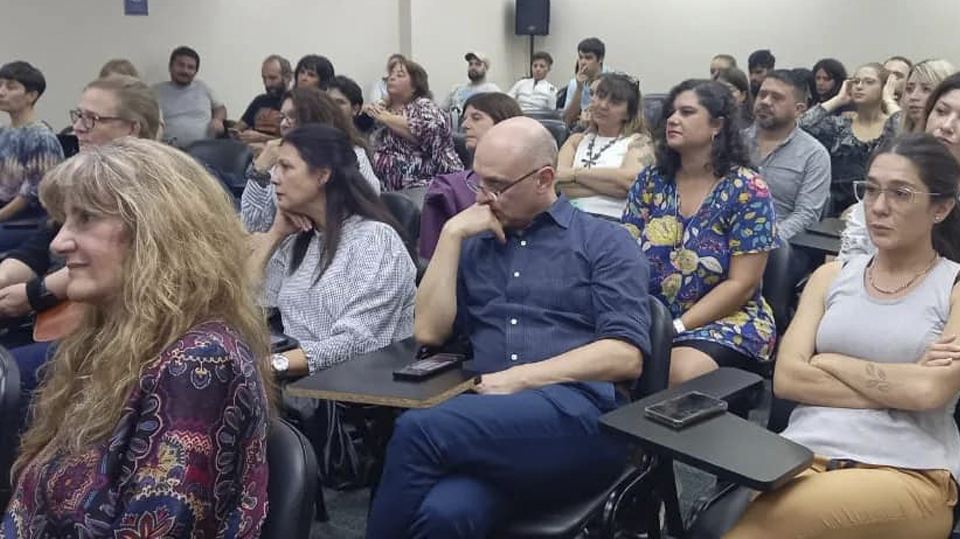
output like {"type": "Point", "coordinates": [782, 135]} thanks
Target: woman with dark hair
{"type": "Point", "coordinates": [303, 106]}
{"type": "Point", "coordinates": [828, 77]}
{"type": "Point", "coordinates": [333, 259]}
{"type": "Point", "coordinates": [871, 358]}
{"type": "Point", "coordinates": [313, 70]}
{"type": "Point", "coordinates": [412, 141]}
{"type": "Point", "coordinates": [596, 169]}
{"type": "Point", "coordinates": [739, 85]}
{"type": "Point", "coordinates": [706, 222]}
{"type": "Point", "coordinates": [449, 194]}
{"type": "Point", "coordinates": [853, 136]}
{"type": "Point", "coordinates": [346, 93]}
{"type": "Point", "coordinates": [941, 118]}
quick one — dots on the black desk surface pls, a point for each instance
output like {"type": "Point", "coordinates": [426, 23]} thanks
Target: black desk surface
{"type": "Point", "coordinates": [818, 242]}
{"type": "Point", "coordinates": [726, 445]}
{"type": "Point", "coordinates": [369, 379]}
{"type": "Point", "coordinates": [831, 226]}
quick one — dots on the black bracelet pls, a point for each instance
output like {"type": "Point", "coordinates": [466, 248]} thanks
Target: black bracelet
{"type": "Point", "coordinates": [39, 298]}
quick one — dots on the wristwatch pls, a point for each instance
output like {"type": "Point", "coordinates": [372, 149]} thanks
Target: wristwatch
{"type": "Point", "coordinates": [678, 326]}
{"type": "Point", "coordinates": [280, 363]}
{"type": "Point", "coordinates": [39, 298]}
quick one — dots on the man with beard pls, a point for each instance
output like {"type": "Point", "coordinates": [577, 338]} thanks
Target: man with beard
{"type": "Point", "coordinates": [793, 163]}
{"type": "Point", "coordinates": [190, 110]}
{"type": "Point", "coordinates": [477, 66]}
{"type": "Point", "coordinates": [261, 121]}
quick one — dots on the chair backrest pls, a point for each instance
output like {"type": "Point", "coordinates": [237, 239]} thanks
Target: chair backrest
{"type": "Point", "coordinates": [779, 288]}
{"type": "Point", "coordinates": [562, 101]}
{"type": "Point", "coordinates": [10, 419]}
{"type": "Point", "coordinates": [229, 157]}
{"type": "Point", "coordinates": [293, 483]}
{"type": "Point", "coordinates": [69, 144]}
{"type": "Point", "coordinates": [653, 108]}
{"type": "Point", "coordinates": [460, 145]}
{"type": "Point", "coordinates": [656, 367]}
{"type": "Point", "coordinates": [406, 212]}
{"type": "Point", "coordinates": [556, 128]}
{"type": "Point", "coordinates": [544, 114]}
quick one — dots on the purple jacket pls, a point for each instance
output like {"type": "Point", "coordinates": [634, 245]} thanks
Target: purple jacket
{"type": "Point", "coordinates": [447, 196]}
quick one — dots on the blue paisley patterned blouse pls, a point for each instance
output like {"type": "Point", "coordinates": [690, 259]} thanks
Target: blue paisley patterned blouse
{"type": "Point", "coordinates": [187, 459]}
{"type": "Point", "coordinates": [689, 256]}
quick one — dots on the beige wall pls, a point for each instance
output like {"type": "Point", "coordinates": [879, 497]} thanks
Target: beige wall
{"type": "Point", "coordinates": [70, 40]}
{"type": "Point", "coordinates": [662, 42]}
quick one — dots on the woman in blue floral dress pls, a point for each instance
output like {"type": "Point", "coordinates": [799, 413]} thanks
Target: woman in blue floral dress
{"type": "Point", "coordinates": [706, 223]}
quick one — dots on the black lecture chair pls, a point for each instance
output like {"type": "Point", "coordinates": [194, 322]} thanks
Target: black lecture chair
{"type": "Point", "coordinates": [653, 108]}
{"type": "Point", "coordinates": [556, 128]}
{"type": "Point", "coordinates": [292, 484]}
{"type": "Point", "coordinates": [460, 145]}
{"type": "Point", "coordinates": [10, 418]}
{"type": "Point", "coordinates": [717, 512]}
{"type": "Point", "coordinates": [633, 487]}
{"type": "Point", "coordinates": [406, 212]}
{"type": "Point", "coordinates": [230, 158]}
{"type": "Point", "coordinates": [779, 288]}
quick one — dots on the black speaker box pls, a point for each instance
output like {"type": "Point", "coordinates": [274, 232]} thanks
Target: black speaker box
{"type": "Point", "coordinates": [533, 17]}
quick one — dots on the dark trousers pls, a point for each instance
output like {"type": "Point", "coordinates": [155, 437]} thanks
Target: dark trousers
{"type": "Point", "coordinates": [452, 471]}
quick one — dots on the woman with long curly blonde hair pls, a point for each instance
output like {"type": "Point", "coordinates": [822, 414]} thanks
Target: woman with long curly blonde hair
{"type": "Point", "coordinates": [154, 411]}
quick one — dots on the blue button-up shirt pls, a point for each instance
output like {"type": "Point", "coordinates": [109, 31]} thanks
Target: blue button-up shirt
{"type": "Point", "coordinates": [565, 281]}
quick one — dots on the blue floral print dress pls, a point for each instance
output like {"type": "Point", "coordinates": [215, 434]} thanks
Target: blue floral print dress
{"type": "Point", "coordinates": [688, 257]}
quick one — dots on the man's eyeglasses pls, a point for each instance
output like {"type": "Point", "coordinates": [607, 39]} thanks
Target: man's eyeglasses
{"type": "Point", "coordinates": [494, 193]}
{"type": "Point", "coordinates": [899, 196]}
{"type": "Point", "coordinates": [90, 119]}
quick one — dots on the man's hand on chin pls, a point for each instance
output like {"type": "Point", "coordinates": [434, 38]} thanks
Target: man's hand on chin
{"type": "Point", "coordinates": [504, 382]}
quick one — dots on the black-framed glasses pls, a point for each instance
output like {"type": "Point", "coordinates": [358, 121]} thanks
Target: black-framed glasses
{"type": "Point", "coordinates": [477, 184]}
{"type": "Point", "coordinates": [90, 119]}
{"type": "Point", "coordinates": [901, 195]}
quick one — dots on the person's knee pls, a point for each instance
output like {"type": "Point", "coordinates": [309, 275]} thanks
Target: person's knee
{"type": "Point", "coordinates": [448, 518]}
{"type": "Point", "coordinates": [687, 366]}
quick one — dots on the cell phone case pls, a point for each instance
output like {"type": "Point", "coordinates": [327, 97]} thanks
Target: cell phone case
{"type": "Point", "coordinates": [427, 367]}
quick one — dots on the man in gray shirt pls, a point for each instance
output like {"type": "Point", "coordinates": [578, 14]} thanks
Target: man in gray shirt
{"type": "Point", "coordinates": [190, 110]}
{"type": "Point", "coordinates": [793, 163]}
{"type": "Point", "coordinates": [477, 66]}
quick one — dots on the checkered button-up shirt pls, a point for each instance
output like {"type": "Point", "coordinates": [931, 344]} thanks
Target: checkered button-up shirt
{"type": "Point", "coordinates": [362, 302]}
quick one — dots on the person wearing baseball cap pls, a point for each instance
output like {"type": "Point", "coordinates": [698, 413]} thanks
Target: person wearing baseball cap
{"type": "Point", "coordinates": [477, 66]}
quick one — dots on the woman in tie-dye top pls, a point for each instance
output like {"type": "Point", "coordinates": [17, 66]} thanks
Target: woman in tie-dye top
{"type": "Point", "coordinates": [151, 420]}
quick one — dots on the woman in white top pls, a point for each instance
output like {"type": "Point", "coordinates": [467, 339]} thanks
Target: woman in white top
{"type": "Point", "coordinates": [941, 118]}
{"type": "Point", "coordinates": [595, 169]}
{"type": "Point", "coordinates": [303, 105]}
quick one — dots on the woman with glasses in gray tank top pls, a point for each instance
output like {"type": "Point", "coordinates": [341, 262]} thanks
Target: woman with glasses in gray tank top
{"type": "Point", "coordinates": [873, 360]}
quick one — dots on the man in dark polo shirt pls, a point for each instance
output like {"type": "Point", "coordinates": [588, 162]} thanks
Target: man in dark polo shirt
{"type": "Point", "coordinates": [554, 303]}
{"type": "Point", "coordinates": [261, 121]}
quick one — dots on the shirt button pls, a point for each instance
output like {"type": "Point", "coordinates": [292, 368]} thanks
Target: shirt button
{"type": "Point", "coordinates": [513, 321]}
{"type": "Point", "coordinates": [513, 357]}
{"type": "Point", "coordinates": [523, 243]}
{"type": "Point", "coordinates": [516, 274]}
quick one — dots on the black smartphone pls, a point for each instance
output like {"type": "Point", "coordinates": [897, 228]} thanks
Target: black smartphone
{"type": "Point", "coordinates": [280, 343]}
{"type": "Point", "coordinates": [685, 410]}
{"type": "Point", "coordinates": [429, 366]}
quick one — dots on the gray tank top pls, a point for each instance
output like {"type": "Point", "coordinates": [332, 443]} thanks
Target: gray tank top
{"type": "Point", "coordinates": [884, 331]}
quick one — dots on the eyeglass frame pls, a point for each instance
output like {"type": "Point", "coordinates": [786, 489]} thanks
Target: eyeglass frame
{"type": "Point", "coordinates": [495, 194]}
{"type": "Point", "coordinates": [885, 190]}
{"type": "Point", "coordinates": [94, 117]}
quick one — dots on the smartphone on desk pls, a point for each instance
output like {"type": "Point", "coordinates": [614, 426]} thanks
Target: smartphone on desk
{"type": "Point", "coordinates": [686, 409]}
{"type": "Point", "coordinates": [428, 366]}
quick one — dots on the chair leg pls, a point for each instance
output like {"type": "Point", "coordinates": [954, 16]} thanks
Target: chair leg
{"type": "Point", "coordinates": [320, 506]}
{"type": "Point", "coordinates": [667, 487]}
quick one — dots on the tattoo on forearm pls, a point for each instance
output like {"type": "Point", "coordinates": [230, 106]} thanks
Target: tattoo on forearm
{"type": "Point", "coordinates": [877, 378]}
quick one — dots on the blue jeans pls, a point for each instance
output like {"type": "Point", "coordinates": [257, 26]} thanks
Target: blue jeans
{"type": "Point", "coordinates": [456, 470]}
